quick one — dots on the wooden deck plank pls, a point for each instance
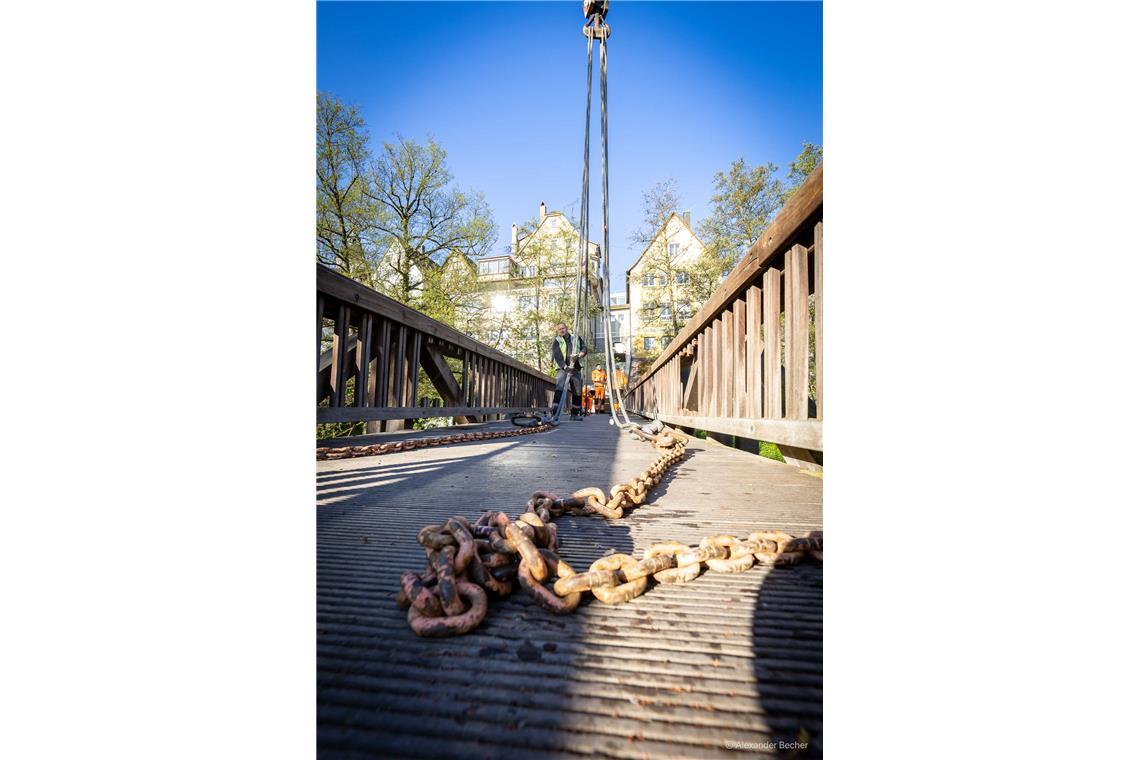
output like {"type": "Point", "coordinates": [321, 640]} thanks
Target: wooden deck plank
{"type": "Point", "coordinates": [682, 671]}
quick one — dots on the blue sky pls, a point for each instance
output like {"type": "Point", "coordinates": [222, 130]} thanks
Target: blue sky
{"type": "Point", "coordinates": [501, 86]}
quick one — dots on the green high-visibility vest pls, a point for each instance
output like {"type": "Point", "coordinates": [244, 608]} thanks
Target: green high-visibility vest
{"type": "Point", "coordinates": [562, 345]}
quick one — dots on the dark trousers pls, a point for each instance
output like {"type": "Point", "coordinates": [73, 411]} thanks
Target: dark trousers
{"type": "Point", "coordinates": [573, 387]}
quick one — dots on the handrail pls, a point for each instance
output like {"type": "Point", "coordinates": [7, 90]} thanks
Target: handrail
{"type": "Point", "coordinates": [740, 366]}
{"type": "Point", "coordinates": [381, 345]}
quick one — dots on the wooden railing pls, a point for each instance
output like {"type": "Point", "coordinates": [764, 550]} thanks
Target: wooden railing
{"type": "Point", "coordinates": [727, 372]}
{"type": "Point", "coordinates": [381, 345]}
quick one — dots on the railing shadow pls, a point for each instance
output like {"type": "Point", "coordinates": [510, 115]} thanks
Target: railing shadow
{"type": "Point", "coordinates": [502, 687]}
{"type": "Point", "coordinates": [787, 644]}
{"type": "Point", "coordinates": [648, 677]}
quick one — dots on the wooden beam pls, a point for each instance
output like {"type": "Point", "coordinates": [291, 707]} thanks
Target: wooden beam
{"type": "Point", "coordinates": [357, 414]}
{"type": "Point", "coordinates": [330, 283]}
{"type": "Point", "coordinates": [807, 434]}
{"type": "Point", "coordinates": [794, 222]}
{"type": "Point", "coordinates": [799, 457]}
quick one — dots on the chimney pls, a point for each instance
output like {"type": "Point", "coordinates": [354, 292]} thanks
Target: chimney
{"type": "Point", "coordinates": [514, 238]}
{"type": "Point", "coordinates": [688, 218]}
{"type": "Point", "coordinates": [541, 210]}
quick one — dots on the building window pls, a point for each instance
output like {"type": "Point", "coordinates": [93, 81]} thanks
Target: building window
{"type": "Point", "coordinates": [666, 312]}
{"type": "Point", "coordinates": [682, 278]}
{"type": "Point", "coordinates": [526, 303]}
{"type": "Point", "coordinates": [552, 282]}
{"type": "Point", "coordinates": [646, 280]}
{"type": "Point", "coordinates": [684, 311]}
{"type": "Point", "coordinates": [530, 271]}
{"type": "Point", "coordinates": [649, 344]}
{"type": "Point", "coordinates": [674, 249]}
{"type": "Point", "coordinates": [502, 266]}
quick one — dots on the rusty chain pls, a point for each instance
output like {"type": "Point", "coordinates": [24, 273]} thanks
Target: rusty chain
{"type": "Point", "coordinates": [468, 563]}
{"type": "Point", "coordinates": [347, 452]}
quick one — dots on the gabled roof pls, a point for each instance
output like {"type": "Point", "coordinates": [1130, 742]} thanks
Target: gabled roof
{"type": "Point", "coordinates": [541, 222]}
{"type": "Point", "coordinates": [660, 231]}
{"type": "Point", "coordinates": [394, 245]}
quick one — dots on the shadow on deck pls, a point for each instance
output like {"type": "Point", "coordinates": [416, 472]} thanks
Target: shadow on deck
{"type": "Point", "coordinates": [724, 664]}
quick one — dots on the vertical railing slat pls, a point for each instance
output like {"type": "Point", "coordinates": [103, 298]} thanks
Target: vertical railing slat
{"type": "Point", "coordinates": [796, 331]}
{"type": "Point", "coordinates": [338, 369]}
{"type": "Point", "coordinates": [772, 382]}
{"type": "Point", "coordinates": [383, 364]}
{"type": "Point", "coordinates": [715, 356]}
{"type": "Point", "coordinates": [414, 368]}
{"type": "Point", "coordinates": [739, 362]}
{"type": "Point", "coordinates": [320, 333]}
{"type": "Point", "coordinates": [401, 366]}
{"type": "Point", "coordinates": [363, 357]}
{"type": "Point", "coordinates": [753, 349]}
{"type": "Point", "coordinates": [818, 264]}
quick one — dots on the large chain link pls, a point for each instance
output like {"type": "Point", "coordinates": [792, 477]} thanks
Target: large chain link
{"type": "Point", "coordinates": [619, 578]}
{"type": "Point", "coordinates": [346, 452]}
{"type": "Point", "coordinates": [467, 563]}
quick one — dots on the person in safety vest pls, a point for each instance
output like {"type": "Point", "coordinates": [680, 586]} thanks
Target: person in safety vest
{"type": "Point", "coordinates": [620, 383]}
{"type": "Point", "coordinates": [567, 351]}
{"type": "Point", "coordinates": [599, 378]}
{"type": "Point", "coordinates": [587, 399]}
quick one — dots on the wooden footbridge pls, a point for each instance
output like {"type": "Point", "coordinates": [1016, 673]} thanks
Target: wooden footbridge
{"type": "Point", "coordinates": [724, 665]}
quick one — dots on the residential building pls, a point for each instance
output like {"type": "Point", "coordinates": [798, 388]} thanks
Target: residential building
{"type": "Point", "coordinates": [533, 284]}
{"type": "Point", "coordinates": [657, 284]}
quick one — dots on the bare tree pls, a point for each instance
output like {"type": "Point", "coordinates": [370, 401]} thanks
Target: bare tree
{"type": "Point", "coordinates": [666, 299]}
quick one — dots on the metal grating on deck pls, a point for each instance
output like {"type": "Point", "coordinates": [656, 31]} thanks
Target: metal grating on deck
{"type": "Point", "coordinates": [727, 665]}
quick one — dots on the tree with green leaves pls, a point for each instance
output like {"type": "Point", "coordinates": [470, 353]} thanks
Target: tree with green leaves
{"type": "Point", "coordinates": [344, 213]}
{"type": "Point", "coordinates": [744, 201]}
{"type": "Point", "coordinates": [666, 269]}
{"type": "Point", "coordinates": [801, 167]}
{"type": "Point", "coordinates": [421, 219]}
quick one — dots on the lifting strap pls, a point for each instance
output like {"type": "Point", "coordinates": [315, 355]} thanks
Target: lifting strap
{"type": "Point", "coordinates": [596, 28]}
